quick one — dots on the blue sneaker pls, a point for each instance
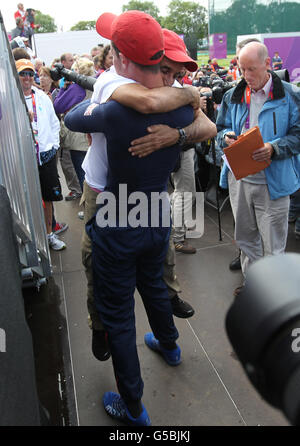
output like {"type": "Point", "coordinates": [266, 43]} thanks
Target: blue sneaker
{"type": "Point", "coordinates": [116, 408]}
{"type": "Point", "coordinates": [172, 357]}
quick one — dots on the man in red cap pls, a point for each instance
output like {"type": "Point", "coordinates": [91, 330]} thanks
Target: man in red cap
{"type": "Point", "coordinates": [176, 59]}
{"type": "Point", "coordinates": [129, 93]}
{"type": "Point", "coordinates": [142, 67]}
{"type": "Point", "coordinates": [125, 257]}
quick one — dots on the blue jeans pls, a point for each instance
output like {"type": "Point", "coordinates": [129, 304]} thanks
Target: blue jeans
{"type": "Point", "coordinates": [77, 160]}
{"type": "Point", "coordinates": [295, 209]}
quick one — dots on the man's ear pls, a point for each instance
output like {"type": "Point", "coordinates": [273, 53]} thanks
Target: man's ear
{"type": "Point", "coordinates": [124, 60]}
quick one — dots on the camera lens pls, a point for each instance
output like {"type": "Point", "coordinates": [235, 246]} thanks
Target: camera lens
{"type": "Point", "coordinates": [263, 326]}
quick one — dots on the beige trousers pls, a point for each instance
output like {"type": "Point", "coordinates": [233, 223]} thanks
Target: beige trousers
{"type": "Point", "coordinates": [261, 224]}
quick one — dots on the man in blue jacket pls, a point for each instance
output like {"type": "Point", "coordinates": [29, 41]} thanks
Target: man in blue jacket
{"type": "Point", "coordinates": [126, 256]}
{"type": "Point", "coordinates": [260, 202]}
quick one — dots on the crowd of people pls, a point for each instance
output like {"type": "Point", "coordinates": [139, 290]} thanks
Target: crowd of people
{"type": "Point", "coordinates": [151, 111]}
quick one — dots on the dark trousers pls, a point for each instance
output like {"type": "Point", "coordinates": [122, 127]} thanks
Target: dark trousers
{"type": "Point", "coordinates": [124, 259]}
{"type": "Point", "coordinates": [77, 157]}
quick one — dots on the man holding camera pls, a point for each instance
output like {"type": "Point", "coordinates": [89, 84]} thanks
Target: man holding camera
{"type": "Point", "coordinates": [261, 201]}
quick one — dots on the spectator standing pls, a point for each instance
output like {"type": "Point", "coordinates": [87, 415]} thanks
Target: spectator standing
{"type": "Point", "coordinates": [37, 65]}
{"type": "Point", "coordinates": [20, 12]}
{"type": "Point", "coordinates": [47, 84]}
{"type": "Point", "coordinates": [276, 61]}
{"type": "Point", "coordinates": [67, 60]}
{"type": "Point", "coordinates": [105, 59]}
{"type": "Point", "coordinates": [19, 30]}
{"type": "Point", "coordinates": [96, 51]}
{"type": "Point", "coordinates": [260, 202]}
{"type": "Point", "coordinates": [45, 127]}
{"type": "Point", "coordinates": [76, 143]}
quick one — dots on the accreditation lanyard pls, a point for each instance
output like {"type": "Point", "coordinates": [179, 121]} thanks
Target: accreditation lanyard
{"type": "Point", "coordinates": [248, 102]}
{"type": "Point", "coordinates": [35, 129]}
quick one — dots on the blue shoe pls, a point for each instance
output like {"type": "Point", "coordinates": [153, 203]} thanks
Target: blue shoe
{"type": "Point", "coordinates": [172, 357]}
{"type": "Point", "coordinates": [116, 408]}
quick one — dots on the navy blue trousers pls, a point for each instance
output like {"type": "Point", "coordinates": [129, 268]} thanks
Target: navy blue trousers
{"type": "Point", "coordinates": [77, 157]}
{"type": "Point", "coordinates": [124, 259]}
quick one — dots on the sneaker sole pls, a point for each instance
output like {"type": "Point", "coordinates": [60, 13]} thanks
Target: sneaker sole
{"type": "Point", "coordinates": [60, 249]}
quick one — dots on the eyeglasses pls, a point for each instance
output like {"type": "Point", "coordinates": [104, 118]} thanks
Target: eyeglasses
{"type": "Point", "coordinates": [26, 73]}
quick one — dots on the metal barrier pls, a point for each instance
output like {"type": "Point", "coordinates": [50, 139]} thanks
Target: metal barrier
{"type": "Point", "coordinates": [19, 172]}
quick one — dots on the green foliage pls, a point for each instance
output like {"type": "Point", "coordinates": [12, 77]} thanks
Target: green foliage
{"type": "Point", "coordinates": [84, 25]}
{"type": "Point", "coordinates": [188, 18]}
{"type": "Point", "coordinates": [148, 7]}
{"type": "Point", "coordinates": [46, 21]}
{"type": "Point", "coordinates": [250, 17]}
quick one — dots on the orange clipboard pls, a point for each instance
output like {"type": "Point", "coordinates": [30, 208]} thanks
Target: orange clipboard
{"type": "Point", "coordinates": [239, 154]}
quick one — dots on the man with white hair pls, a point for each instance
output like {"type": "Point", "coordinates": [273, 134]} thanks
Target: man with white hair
{"type": "Point", "coordinates": [261, 201]}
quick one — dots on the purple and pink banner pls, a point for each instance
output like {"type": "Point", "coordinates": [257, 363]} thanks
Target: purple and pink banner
{"type": "Point", "coordinates": [218, 46]}
{"type": "Point", "coordinates": [288, 50]}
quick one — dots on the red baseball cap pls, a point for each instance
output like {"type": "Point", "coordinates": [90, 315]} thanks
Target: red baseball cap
{"type": "Point", "coordinates": [175, 50]}
{"type": "Point", "coordinates": [136, 34]}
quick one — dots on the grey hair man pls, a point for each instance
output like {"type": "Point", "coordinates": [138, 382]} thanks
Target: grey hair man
{"type": "Point", "coordinates": [260, 202]}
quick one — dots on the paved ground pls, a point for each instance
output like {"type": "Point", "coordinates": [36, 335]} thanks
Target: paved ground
{"type": "Point", "coordinates": [209, 388]}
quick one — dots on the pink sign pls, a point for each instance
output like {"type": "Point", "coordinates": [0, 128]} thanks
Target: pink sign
{"type": "Point", "coordinates": [218, 46]}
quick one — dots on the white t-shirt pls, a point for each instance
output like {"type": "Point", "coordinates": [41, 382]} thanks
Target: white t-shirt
{"type": "Point", "coordinates": [95, 164]}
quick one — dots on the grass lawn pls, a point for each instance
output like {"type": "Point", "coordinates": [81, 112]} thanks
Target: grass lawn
{"type": "Point", "coordinates": [202, 59]}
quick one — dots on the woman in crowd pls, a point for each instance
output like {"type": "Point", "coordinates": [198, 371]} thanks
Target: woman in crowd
{"type": "Point", "coordinates": [48, 86]}
{"type": "Point", "coordinates": [68, 96]}
{"type": "Point", "coordinates": [106, 59]}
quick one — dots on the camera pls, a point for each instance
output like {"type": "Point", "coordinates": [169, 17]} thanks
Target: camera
{"type": "Point", "coordinates": [86, 82]}
{"type": "Point", "coordinates": [263, 326]}
{"type": "Point", "coordinates": [283, 75]}
{"type": "Point", "coordinates": [219, 88]}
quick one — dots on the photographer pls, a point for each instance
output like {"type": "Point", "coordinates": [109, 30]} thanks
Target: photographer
{"type": "Point", "coordinates": [260, 202]}
{"type": "Point", "coordinates": [68, 96]}
{"type": "Point", "coordinates": [205, 158]}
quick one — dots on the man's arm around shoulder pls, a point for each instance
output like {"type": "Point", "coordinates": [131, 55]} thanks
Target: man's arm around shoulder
{"type": "Point", "coordinates": [155, 100]}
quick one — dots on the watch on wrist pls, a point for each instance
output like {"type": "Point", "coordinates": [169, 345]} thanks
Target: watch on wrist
{"type": "Point", "coordinates": [182, 137]}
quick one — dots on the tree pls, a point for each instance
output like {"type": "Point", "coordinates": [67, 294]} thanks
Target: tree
{"type": "Point", "coordinates": [250, 17]}
{"type": "Point", "coordinates": [187, 18]}
{"type": "Point", "coordinates": [46, 21]}
{"type": "Point", "coordinates": [148, 7]}
{"type": "Point", "coordinates": [84, 25]}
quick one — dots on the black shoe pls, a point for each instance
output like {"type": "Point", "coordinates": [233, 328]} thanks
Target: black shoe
{"type": "Point", "coordinates": [235, 265]}
{"type": "Point", "coordinates": [100, 346]}
{"type": "Point", "coordinates": [181, 308]}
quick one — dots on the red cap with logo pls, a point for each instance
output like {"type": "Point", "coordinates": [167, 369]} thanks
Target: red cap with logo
{"type": "Point", "coordinates": [175, 50]}
{"type": "Point", "coordinates": [136, 34]}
